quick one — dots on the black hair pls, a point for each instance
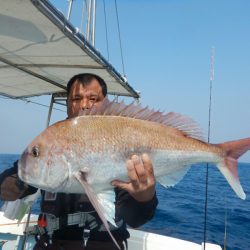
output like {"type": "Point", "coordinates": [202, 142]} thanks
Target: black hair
{"type": "Point", "coordinates": [85, 79]}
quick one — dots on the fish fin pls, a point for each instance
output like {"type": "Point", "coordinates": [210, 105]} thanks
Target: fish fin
{"type": "Point", "coordinates": [236, 149]}
{"type": "Point", "coordinates": [172, 179]}
{"type": "Point", "coordinates": [94, 201]}
{"type": "Point", "coordinates": [184, 125]}
{"type": "Point", "coordinates": [229, 168]}
{"type": "Point", "coordinates": [107, 199]}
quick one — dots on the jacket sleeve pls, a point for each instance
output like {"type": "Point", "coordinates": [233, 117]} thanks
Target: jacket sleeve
{"type": "Point", "coordinates": [134, 213]}
{"type": "Point", "coordinates": [11, 187]}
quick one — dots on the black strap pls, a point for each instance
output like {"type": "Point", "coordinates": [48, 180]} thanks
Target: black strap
{"type": "Point", "coordinates": [63, 221]}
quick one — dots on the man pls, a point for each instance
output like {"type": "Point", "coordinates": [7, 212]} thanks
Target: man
{"type": "Point", "coordinates": [135, 200]}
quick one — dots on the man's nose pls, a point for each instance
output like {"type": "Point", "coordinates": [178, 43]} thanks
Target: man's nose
{"type": "Point", "coordinates": [85, 104]}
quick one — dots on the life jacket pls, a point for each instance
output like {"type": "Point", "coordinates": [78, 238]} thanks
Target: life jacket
{"type": "Point", "coordinates": [72, 214]}
{"type": "Point", "coordinates": [61, 204]}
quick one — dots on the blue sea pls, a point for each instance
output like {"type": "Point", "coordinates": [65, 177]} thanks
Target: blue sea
{"type": "Point", "coordinates": [181, 209]}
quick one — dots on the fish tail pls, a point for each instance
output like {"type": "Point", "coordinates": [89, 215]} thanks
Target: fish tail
{"type": "Point", "coordinates": [229, 165]}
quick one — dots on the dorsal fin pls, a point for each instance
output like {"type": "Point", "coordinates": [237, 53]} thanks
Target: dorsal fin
{"type": "Point", "coordinates": [185, 125]}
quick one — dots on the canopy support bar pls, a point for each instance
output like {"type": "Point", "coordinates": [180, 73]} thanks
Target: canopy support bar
{"type": "Point", "coordinates": [32, 73]}
{"type": "Point", "coordinates": [50, 109]}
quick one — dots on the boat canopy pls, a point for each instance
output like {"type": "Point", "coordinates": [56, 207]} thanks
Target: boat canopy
{"type": "Point", "coordinates": [40, 51]}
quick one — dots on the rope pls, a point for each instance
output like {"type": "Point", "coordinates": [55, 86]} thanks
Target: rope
{"type": "Point", "coordinates": [17, 223]}
{"type": "Point", "coordinates": [29, 101]}
{"type": "Point", "coordinates": [106, 28]}
{"type": "Point", "coordinates": [118, 25]}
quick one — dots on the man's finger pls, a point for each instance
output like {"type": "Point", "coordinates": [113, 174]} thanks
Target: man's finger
{"type": "Point", "coordinates": [122, 185]}
{"type": "Point", "coordinates": [139, 169]}
{"type": "Point", "coordinates": [148, 166]}
{"type": "Point", "coordinates": [132, 174]}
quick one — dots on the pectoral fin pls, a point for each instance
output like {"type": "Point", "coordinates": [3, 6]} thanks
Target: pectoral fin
{"type": "Point", "coordinates": [95, 201]}
{"type": "Point", "coordinates": [106, 200]}
{"type": "Point", "coordinates": [172, 179]}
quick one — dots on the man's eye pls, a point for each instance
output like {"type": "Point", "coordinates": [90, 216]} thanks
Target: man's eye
{"type": "Point", "coordinates": [75, 99]}
{"type": "Point", "coordinates": [93, 98]}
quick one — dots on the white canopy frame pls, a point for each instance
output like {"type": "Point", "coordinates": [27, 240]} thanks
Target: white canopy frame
{"type": "Point", "coordinates": [40, 51]}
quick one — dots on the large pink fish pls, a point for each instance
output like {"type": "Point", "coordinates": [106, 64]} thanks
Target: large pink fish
{"type": "Point", "coordinates": [86, 153]}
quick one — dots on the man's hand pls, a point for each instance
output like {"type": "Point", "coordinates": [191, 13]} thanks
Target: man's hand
{"type": "Point", "coordinates": [142, 181]}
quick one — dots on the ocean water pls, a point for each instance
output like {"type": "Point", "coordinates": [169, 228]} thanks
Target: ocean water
{"type": "Point", "coordinates": [181, 209]}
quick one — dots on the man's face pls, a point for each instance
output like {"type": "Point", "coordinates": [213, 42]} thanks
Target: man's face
{"type": "Point", "coordinates": [83, 97]}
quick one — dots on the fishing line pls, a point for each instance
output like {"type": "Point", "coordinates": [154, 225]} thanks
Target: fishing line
{"type": "Point", "coordinates": [208, 140]}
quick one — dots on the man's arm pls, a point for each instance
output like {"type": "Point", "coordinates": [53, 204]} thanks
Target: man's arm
{"type": "Point", "coordinates": [136, 200]}
{"type": "Point", "coordinates": [133, 212]}
{"type": "Point", "coordinates": [11, 187]}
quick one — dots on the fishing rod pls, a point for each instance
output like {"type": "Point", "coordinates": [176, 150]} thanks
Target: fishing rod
{"type": "Point", "coordinates": [208, 140]}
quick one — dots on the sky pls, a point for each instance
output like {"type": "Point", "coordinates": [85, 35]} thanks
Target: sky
{"type": "Point", "coordinates": [166, 47]}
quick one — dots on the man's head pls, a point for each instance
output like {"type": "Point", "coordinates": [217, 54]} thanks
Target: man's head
{"type": "Point", "coordinates": [84, 91]}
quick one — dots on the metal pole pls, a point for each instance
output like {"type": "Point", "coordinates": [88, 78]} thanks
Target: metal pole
{"type": "Point", "coordinates": [93, 23]}
{"type": "Point", "coordinates": [69, 9]}
{"type": "Point", "coordinates": [88, 20]}
{"type": "Point", "coordinates": [25, 230]}
{"type": "Point", "coordinates": [82, 18]}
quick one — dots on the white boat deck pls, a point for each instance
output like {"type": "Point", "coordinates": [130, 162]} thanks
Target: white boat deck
{"type": "Point", "coordinates": [12, 235]}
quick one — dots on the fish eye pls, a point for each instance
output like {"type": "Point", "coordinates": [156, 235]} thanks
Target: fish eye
{"type": "Point", "coordinates": [35, 151]}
